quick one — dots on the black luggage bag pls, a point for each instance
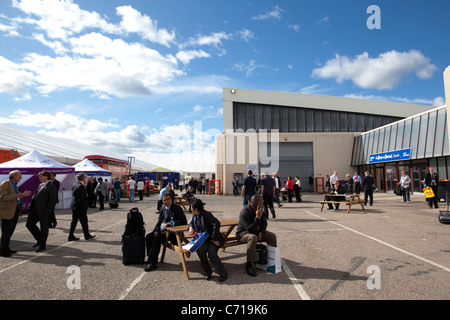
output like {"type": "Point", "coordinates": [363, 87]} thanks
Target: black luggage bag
{"type": "Point", "coordinates": [133, 249]}
{"type": "Point", "coordinates": [444, 216]}
{"type": "Point", "coordinates": [113, 204]}
{"type": "Point", "coordinates": [133, 239]}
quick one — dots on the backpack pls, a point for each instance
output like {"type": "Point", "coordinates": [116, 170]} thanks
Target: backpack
{"type": "Point", "coordinates": [135, 223]}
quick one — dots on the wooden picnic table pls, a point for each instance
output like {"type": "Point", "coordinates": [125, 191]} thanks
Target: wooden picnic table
{"type": "Point", "coordinates": [182, 201]}
{"type": "Point", "coordinates": [354, 199]}
{"type": "Point", "coordinates": [230, 240]}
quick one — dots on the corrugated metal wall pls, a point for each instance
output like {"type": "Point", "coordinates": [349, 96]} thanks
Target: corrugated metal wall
{"type": "Point", "coordinates": [295, 119]}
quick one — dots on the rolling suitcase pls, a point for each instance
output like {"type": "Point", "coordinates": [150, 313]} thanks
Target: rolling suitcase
{"type": "Point", "coordinates": [113, 204]}
{"type": "Point", "coordinates": [444, 216]}
{"type": "Point", "coordinates": [133, 239]}
{"type": "Point", "coordinates": [133, 249]}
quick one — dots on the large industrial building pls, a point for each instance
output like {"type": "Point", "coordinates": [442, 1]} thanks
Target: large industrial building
{"type": "Point", "coordinates": [302, 134]}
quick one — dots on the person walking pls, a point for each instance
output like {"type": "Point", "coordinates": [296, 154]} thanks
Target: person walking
{"type": "Point", "coordinates": [431, 180]}
{"type": "Point", "coordinates": [40, 208]}
{"type": "Point", "coordinates": [368, 184]}
{"type": "Point", "coordinates": [79, 206]}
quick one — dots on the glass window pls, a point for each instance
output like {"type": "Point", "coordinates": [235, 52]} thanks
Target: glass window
{"type": "Point", "coordinates": [375, 141]}
{"type": "Point", "coordinates": [366, 148]}
{"type": "Point", "coordinates": [422, 136]}
{"type": "Point", "coordinates": [429, 147]}
{"type": "Point", "coordinates": [441, 168]}
{"type": "Point", "coordinates": [381, 140]}
{"type": "Point", "coordinates": [393, 137]}
{"type": "Point", "coordinates": [387, 136]}
{"type": "Point", "coordinates": [369, 150]}
{"type": "Point", "coordinates": [415, 136]}
{"type": "Point", "coordinates": [448, 164]}
{"type": "Point", "coordinates": [440, 129]}
{"type": "Point", "coordinates": [399, 142]}
{"type": "Point", "coordinates": [407, 134]}
{"type": "Point", "coordinates": [446, 143]}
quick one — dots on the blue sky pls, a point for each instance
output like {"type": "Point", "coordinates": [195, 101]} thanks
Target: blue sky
{"type": "Point", "coordinates": [145, 77]}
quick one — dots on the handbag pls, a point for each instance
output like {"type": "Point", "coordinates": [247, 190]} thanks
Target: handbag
{"type": "Point", "coordinates": [428, 191]}
{"type": "Point", "coordinates": [273, 264]}
{"type": "Point", "coordinates": [261, 253]}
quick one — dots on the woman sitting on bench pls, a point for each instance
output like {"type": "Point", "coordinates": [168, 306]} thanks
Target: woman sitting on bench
{"type": "Point", "coordinates": [337, 189]}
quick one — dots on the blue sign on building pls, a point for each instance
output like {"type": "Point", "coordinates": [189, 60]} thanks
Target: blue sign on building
{"type": "Point", "coordinates": [397, 155]}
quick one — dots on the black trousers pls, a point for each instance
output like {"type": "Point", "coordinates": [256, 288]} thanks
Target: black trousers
{"type": "Point", "coordinates": [368, 194]}
{"type": "Point", "coordinates": [8, 227]}
{"type": "Point", "coordinates": [40, 235]}
{"type": "Point", "coordinates": [209, 249]}
{"type": "Point", "coordinates": [154, 242]}
{"type": "Point", "coordinates": [433, 200]}
{"type": "Point", "coordinates": [268, 203]}
{"type": "Point", "coordinates": [79, 214]}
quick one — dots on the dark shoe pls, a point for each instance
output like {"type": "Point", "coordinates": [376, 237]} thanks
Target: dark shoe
{"type": "Point", "coordinates": [249, 269]}
{"type": "Point", "coordinates": [224, 277]}
{"type": "Point", "coordinates": [40, 249]}
{"type": "Point", "coordinates": [5, 254]}
{"type": "Point", "coordinates": [36, 245]}
{"type": "Point", "coordinates": [280, 205]}
{"type": "Point", "coordinates": [274, 215]}
{"type": "Point", "coordinates": [73, 238]}
{"type": "Point", "coordinates": [208, 275]}
{"type": "Point", "coordinates": [11, 251]}
{"type": "Point", "coordinates": [89, 237]}
{"type": "Point", "coordinates": [150, 267]}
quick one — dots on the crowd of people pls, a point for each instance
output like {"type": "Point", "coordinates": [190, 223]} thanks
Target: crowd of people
{"type": "Point", "coordinates": [258, 196]}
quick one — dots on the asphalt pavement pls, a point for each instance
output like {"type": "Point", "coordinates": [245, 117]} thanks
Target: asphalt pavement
{"type": "Point", "coordinates": [392, 251]}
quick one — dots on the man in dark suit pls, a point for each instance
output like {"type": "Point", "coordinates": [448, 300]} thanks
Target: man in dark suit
{"type": "Point", "coordinates": [337, 189]}
{"type": "Point", "coordinates": [52, 218]}
{"type": "Point", "coordinates": [41, 205]}
{"type": "Point", "coordinates": [251, 229]}
{"type": "Point", "coordinates": [155, 238]}
{"type": "Point", "coordinates": [431, 180]}
{"type": "Point", "coordinates": [79, 206]}
{"type": "Point", "coordinates": [368, 184]}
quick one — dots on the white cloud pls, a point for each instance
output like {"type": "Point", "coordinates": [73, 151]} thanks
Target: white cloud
{"type": "Point", "coordinates": [324, 20]}
{"type": "Point", "coordinates": [134, 21]}
{"type": "Point", "coordinates": [249, 68]}
{"type": "Point", "coordinates": [245, 34]}
{"type": "Point", "coordinates": [14, 79]}
{"type": "Point", "coordinates": [382, 72]}
{"type": "Point", "coordinates": [175, 139]}
{"type": "Point", "coordinates": [186, 56]}
{"type": "Point", "coordinates": [294, 27]}
{"type": "Point", "coordinates": [274, 14]}
{"type": "Point", "coordinates": [61, 19]}
{"type": "Point", "coordinates": [438, 101]}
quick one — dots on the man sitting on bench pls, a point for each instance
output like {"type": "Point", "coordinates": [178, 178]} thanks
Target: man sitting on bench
{"type": "Point", "coordinates": [337, 189]}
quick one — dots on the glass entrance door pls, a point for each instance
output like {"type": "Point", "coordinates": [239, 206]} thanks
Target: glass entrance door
{"type": "Point", "coordinates": [391, 178]}
{"type": "Point", "coordinates": [379, 179]}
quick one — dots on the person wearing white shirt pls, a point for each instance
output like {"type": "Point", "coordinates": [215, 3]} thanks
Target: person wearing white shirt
{"type": "Point", "coordinates": [131, 188]}
{"type": "Point", "coordinates": [405, 182]}
{"type": "Point", "coordinates": [334, 178]}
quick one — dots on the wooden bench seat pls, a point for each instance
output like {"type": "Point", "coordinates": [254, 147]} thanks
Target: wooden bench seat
{"type": "Point", "coordinates": [354, 199]}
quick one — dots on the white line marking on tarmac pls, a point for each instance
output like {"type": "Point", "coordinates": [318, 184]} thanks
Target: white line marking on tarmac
{"type": "Point", "coordinates": [297, 285]}
{"type": "Point", "coordinates": [384, 243]}
{"type": "Point", "coordinates": [132, 285]}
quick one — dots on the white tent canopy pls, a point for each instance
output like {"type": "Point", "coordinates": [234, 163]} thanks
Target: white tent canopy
{"type": "Point", "coordinates": [91, 169]}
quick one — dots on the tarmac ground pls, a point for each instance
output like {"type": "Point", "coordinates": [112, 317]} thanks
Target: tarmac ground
{"type": "Point", "coordinates": [392, 251]}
